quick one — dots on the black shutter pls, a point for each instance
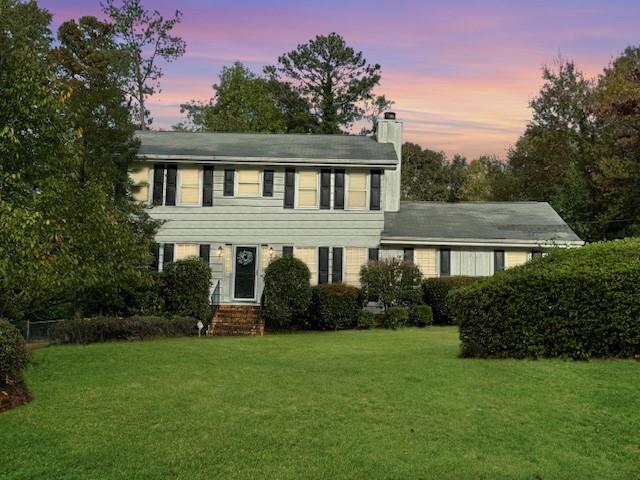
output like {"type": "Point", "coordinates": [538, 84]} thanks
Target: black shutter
{"type": "Point", "coordinates": [205, 252]}
{"type": "Point", "coordinates": [229, 182]}
{"type": "Point", "coordinates": [536, 254]}
{"type": "Point", "coordinates": [170, 194]}
{"type": "Point", "coordinates": [158, 184]}
{"type": "Point", "coordinates": [445, 262]}
{"type": "Point", "coordinates": [289, 187]}
{"type": "Point", "coordinates": [374, 254]}
{"type": "Point", "coordinates": [336, 268]}
{"type": "Point", "coordinates": [498, 260]}
{"type": "Point", "coordinates": [325, 189]}
{"type": "Point", "coordinates": [374, 201]}
{"type": "Point", "coordinates": [155, 253]}
{"type": "Point", "coordinates": [323, 265]}
{"type": "Point", "coordinates": [168, 253]}
{"type": "Point", "coordinates": [408, 255]}
{"type": "Point", "coordinates": [207, 186]}
{"type": "Point", "coordinates": [338, 190]}
{"type": "Point", "coordinates": [287, 251]}
{"type": "Point", "coordinates": [267, 183]}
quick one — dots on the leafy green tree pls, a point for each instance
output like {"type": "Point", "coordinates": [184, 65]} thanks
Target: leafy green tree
{"type": "Point", "coordinates": [486, 179]}
{"type": "Point", "coordinates": [245, 102]}
{"type": "Point", "coordinates": [94, 69]}
{"type": "Point", "coordinates": [335, 79]}
{"type": "Point", "coordinates": [147, 37]}
{"type": "Point", "coordinates": [424, 174]}
{"type": "Point", "coordinates": [456, 172]}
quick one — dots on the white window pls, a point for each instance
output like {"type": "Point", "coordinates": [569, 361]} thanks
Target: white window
{"type": "Point", "coordinates": [357, 194]}
{"type": "Point", "coordinates": [249, 182]}
{"type": "Point", "coordinates": [189, 186]}
{"type": "Point", "coordinates": [185, 250]}
{"type": "Point", "coordinates": [308, 189]}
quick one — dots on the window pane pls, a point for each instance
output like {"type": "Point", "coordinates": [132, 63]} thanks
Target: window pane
{"type": "Point", "coordinates": [248, 189]}
{"type": "Point", "coordinates": [184, 250]}
{"type": "Point", "coordinates": [307, 198]}
{"type": "Point", "coordinates": [308, 180]}
{"type": "Point", "coordinates": [357, 181]}
{"type": "Point", "coordinates": [189, 186]}
{"type": "Point", "coordinates": [357, 190]}
{"type": "Point", "coordinates": [248, 182]}
{"type": "Point", "coordinates": [357, 199]}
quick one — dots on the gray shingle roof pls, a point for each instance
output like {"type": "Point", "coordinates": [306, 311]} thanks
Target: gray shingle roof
{"type": "Point", "coordinates": [499, 222]}
{"type": "Point", "coordinates": [294, 148]}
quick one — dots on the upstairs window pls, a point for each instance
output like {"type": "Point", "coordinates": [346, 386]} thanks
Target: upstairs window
{"type": "Point", "coordinates": [164, 184]}
{"type": "Point", "coordinates": [357, 197]}
{"type": "Point", "coordinates": [189, 186]}
{"type": "Point", "coordinates": [308, 189]}
{"type": "Point", "coordinates": [249, 183]}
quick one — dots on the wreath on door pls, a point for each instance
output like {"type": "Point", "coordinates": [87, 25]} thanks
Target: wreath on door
{"type": "Point", "coordinates": [245, 257]}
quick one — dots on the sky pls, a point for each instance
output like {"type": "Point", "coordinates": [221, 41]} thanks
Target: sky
{"type": "Point", "coordinates": [461, 72]}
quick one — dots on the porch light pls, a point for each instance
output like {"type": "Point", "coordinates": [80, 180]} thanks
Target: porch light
{"type": "Point", "coordinates": [220, 250]}
{"type": "Point", "coordinates": [270, 252]}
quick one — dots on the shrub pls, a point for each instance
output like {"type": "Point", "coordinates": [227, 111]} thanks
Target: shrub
{"type": "Point", "coordinates": [335, 306]}
{"type": "Point", "coordinates": [287, 293]}
{"type": "Point", "coordinates": [102, 329]}
{"type": "Point", "coordinates": [435, 292]}
{"type": "Point", "coordinates": [185, 286]}
{"type": "Point", "coordinates": [395, 317]}
{"type": "Point", "coordinates": [366, 319]}
{"type": "Point", "coordinates": [577, 303]}
{"type": "Point", "coordinates": [13, 355]}
{"type": "Point", "coordinates": [392, 281]}
{"type": "Point", "coordinates": [421, 315]}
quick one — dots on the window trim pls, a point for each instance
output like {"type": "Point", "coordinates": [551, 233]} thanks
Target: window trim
{"type": "Point", "coordinates": [347, 189]}
{"type": "Point", "coordinates": [297, 189]}
{"type": "Point", "coordinates": [236, 185]}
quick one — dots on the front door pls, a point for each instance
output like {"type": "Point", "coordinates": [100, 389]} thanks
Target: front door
{"type": "Point", "coordinates": [245, 273]}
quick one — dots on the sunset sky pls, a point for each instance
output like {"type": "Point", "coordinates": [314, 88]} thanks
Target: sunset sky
{"type": "Point", "coordinates": [461, 72]}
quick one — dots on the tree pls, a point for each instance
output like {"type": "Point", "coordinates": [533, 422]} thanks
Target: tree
{"type": "Point", "coordinates": [244, 102]}
{"type": "Point", "coordinates": [336, 80]}
{"type": "Point", "coordinates": [147, 38]}
{"type": "Point", "coordinates": [424, 174]}
{"type": "Point", "coordinates": [94, 68]}
{"type": "Point", "coordinates": [485, 180]}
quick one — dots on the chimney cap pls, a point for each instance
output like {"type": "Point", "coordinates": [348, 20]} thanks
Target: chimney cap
{"type": "Point", "coordinates": [389, 115]}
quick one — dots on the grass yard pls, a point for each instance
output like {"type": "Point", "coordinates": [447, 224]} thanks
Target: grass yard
{"type": "Point", "coordinates": [356, 404]}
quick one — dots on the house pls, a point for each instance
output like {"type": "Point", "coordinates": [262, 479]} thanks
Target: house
{"type": "Point", "coordinates": [333, 201]}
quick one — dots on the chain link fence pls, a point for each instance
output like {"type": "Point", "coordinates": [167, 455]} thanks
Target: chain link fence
{"type": "Point", "coordinates": [39, 330]}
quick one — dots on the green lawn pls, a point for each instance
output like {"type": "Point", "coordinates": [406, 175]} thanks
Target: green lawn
{"type": "Point", "coordinates": [356, 404]}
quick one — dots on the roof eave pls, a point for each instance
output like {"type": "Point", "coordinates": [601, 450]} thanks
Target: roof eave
{"type": "Point", "coordinates": [478, 242]}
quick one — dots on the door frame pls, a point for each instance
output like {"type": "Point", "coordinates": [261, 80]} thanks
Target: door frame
{"type": "Point", "coordinates": [255, 274]}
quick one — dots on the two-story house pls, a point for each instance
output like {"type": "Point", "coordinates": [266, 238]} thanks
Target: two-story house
{"type": "Point", "coordinates": [333, 201]}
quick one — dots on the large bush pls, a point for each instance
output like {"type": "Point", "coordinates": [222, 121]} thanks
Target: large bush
{"type": "Point", "coordinates": [392, 281]}
{"type": "Point", "coordinates": [185, 288]}
{"type": "Point", "coordinates": [335, 306]}
{"type": "Point", "coordinates": [435, 292]}
{"type": "Point", "coordinates": [421, 315]}
{"type": "Point", "coordinates": [102, 329]}
{"type": "Point", "coordinates": [577, 303]}
{"type": "Point", "coordinates": [287, 292]}
{"type": "Point", "coordinates": [13, 355]}
{"type": "Point", "coordinates": [395, 317]}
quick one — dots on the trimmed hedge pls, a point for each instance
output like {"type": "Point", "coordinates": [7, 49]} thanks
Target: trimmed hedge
{"type": "Point", "coordinates": [395, 317]}
{"type": "Point", "coordinates": [102, 329]}
{"type": "Point", "coordinates": [434, 294]}
{"type": "Point", "coordinates": [287, 292]}
{"type": "Point", "coordinates": [185, 287]}
{"type": "Point", "coordinates": [335, 306]}
{"type": "Point", "coordinates": [577, 303]}
{"type": "Point", "coordinates": [13, 355]}
{"type": "Point", "coordinates": [366, 319]}
{"type": "Point", "coordinates": [421, 315]}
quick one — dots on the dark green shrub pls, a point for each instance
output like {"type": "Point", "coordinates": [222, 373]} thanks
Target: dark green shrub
{"type": "Point", "coordinates": [392, 281]}
{"type": "Point", "coordinates": [185, 288]}
{"type": "Point", "coordinates": [102, 329]}
{"type": "Point", "coordinates": [577, 303]}
{"type": "Point", "coordinates": [287, 293]}
{"type": "Point", "coordinates": [421, 315]}
{"type": "Point", "coordinates": [335, 306]}
{"type": "Point", "coordinates": [395, 317]}
{"type": "Point", "coordinates": [435, 292]}
{"type": "Point", "coordinates": [366, 319]}
{"type": "Point", "coordinates": [13, 355]}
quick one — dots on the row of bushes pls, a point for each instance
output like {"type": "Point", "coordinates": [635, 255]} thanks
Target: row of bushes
{"type": "Point", "coordinates": [102, 329]}
{"type": "Point", "coordinates": [576, 303]}
{"type": "Point", "coordinates": [290, 302]}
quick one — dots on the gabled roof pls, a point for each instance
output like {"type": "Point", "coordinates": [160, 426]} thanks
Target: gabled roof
{"type": "Point", "coordinates": [481, 223]}
{"type": "Point", "coordinates": [264, 147]}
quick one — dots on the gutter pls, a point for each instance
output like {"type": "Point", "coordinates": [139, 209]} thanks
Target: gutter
{"type": "Point", "coordinates": [470, 242]}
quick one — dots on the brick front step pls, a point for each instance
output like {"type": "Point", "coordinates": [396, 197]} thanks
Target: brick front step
{"type": "Point", "coordinates": [236, 320]}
